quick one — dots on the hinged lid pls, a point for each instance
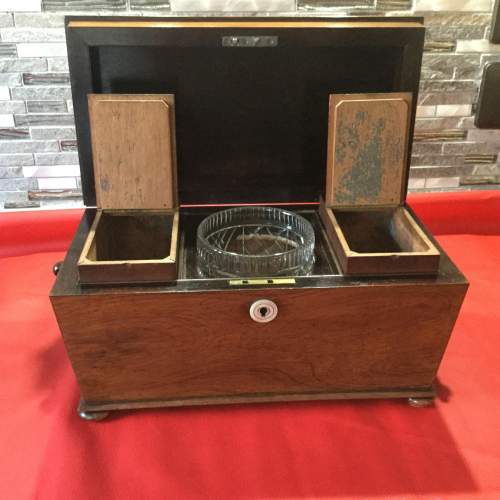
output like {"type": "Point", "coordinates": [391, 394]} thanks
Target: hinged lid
{"type": "Point", "coordinates": [133, 148]}
{"type": "Point", "coordinates": [367, 157]}
{"type": "Point", "coordinates": [251, 116]}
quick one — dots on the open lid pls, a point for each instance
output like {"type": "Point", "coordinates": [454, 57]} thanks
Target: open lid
{"type": "Point", "coordinates": [251, 94]}
{"type": "Point", "coordinates": [368, 136]}
{"type": "Point", "coordinates": [133, 149]}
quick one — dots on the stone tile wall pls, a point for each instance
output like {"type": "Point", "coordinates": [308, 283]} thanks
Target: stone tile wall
{"type": "Point", "coordinates": [38, 158]}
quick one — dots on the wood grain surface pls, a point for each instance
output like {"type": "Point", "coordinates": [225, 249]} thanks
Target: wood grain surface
{"type": "Point", "coordinates": [160, 346]}
{"type": "Point", "coordinates": [367, 149]}
{"type": "Point", "coordinates": [133, 147]}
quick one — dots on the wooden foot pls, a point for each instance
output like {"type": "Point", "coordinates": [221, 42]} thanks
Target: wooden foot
{"type": "Point", "coordinates": [56, 267]}
{"type": "Point", "coordinates": [96, 416]}
{"type": "Point", "coordinates": [420, 402]}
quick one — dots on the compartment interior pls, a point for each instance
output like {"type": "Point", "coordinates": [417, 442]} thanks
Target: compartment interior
{"type": "Point", "coordinates": [387, 230]}
{"type": "Point", "coordinates": [132, 236]}
{"type": "Point", "coordinates": [324, 263]}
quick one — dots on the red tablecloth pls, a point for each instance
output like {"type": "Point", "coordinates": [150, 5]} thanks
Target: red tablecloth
{"type": "Point", "coordinates": [374, 449]}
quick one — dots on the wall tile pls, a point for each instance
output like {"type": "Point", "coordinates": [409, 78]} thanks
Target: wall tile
{"type": "Point", "coordinates": [486, 170]}
{"type": "Point", "coordinates": [457, 19]}
{"type": "Point", "coordinates": [437, 66]}
{"type": "Point", "coordinates": [440, 66]}
{"type": "Point", "coordinates": [4, 93]}
{"type": "Point", "coordinates": [44, 119]}
{"type": "Point", "coordinates": [10, 172]}
{"type": "Point", "coordinates": [480, 135]}
{"type": "Point", "coordinates": [452, 33]}
{"type": "Point", "coordinates": [429, 99]}
{"type": "Point", "coordinates": [477, 46]}
{"type": "Point", "coordinates": [7, 107]}
{"type": "Point", "coordinates": [13, 196]}
{"type": "Point", "coordinates": [469, 148]}
{"type": "Point", "coordinates": [57, 183]}
{"type": "Point", "coordinates": [52, 171]}
{"type": "Point", "coordinates": [68, 145]}
{"type": "Point", "coordinates": [59, 195]}
{"type": "Point", "coordinates": [439, 46]}
{"type": "Point", "coordinates": [416, 184]}
{"type": "Point", "coordinates": [394, 4]}
{"type": "Point", "coordinates": [149, 4]}
{"type": "Point", "coordinates": [232, 5]}
{"type": "Point", "coordinates": [12, 147]}
{"type": "Point", "coordinates": [449, 86]}
{"type": "Point", "coordinates": [46, 79]}
{"type": "Point", "coordinates": [480, 158]}
{"type": "Point", "coordinates": [439, 171]}
{"type": "Point", "coordinates": [427, 148]}
{"type": "Point", "coordinates": [437, 123]}
{"type": "Point", "coordinates": [10, 79]}
{"type": "Point", "coordinates": [8, 50]}
{"type": "Point", "coordinates": [478, 180]}
{"type": "Point", "coordinates": [32, 35]}
{"type": "Point", "coordinates": [20, 6]}
{"type": "Point", "coordinates": [20, 184]}
{"type": "Point", "coordinates": [453, 110]}
{"type": "Point", "coordinates": [56, 159]}
{"type": "Point", "coordinates": [41, 93]}
{"type": "Point", "coordinates": [439, 159]}
{"type": "Point", "coordinates": [16, 160]}
{"type": "Point", "coordinates": [21, 204]}
{"type": "Point", "coordinates": [66, 5]}
{"type": "Point", "coordinates": [41, 49]}
{"type": "Point", "coordinates": [12, 134]}
{"type": "Point", "coordinates": [57, 64]}
{"type": "Point", "coordinates": [53, 133]}
{"type": "Point", "coordinates": [439, 135]}
{"type": "Point", "coordinates": [443, 182]}
{"type": "Point", "coordinates": [453, 5]}
{"type": "Point", "coordinates": [467, 66]}
{"type": "Point", "coordinates": [426, 111]}
{"type": "Point", "coordinates": [6, 20]}
{"type": "Point", "coordinates": [46, 106]}
{"type": "Point", "coordinates": [25, 64]}
{"type": "Point", "coordinates": [39, 20]}
{"type": "Point", "coordinates": [6, 120]}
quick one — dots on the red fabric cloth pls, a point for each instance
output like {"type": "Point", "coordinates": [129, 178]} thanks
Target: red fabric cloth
{"type": "Point", "coordinates": [363, 449]}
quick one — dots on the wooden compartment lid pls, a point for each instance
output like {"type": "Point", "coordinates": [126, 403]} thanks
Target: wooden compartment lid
{"type": "Point", "coordinates": [133, 149]}
{"type": "Point", "coordinates": [368, 139]}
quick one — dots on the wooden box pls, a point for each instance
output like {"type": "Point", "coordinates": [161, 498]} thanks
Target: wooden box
{"type": "Point", "coordinates": [373, 233]}
{"type": "Point", "coordinates": [140, 326]}
{"type": "Point", "coordinates": [134, 235]}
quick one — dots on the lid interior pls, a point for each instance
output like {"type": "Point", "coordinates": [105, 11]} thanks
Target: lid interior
{"type": "Point", "coordinates": [133, 146]}
{"type": "Point", "coordinates": [252, 121]}
{"type": "Point", "coordinates": [367, 149]}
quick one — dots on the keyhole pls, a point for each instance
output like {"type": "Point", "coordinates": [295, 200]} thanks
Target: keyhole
{"type": "Point", "coordinates": [263, 311]}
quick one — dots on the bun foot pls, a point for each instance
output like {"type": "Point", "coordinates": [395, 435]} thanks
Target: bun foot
{"type": "Point", "coordinates": [56, 268]}
{"type": "Point", "coordinates": [95, 416]}
{"type": "Point", "coordinates": [420, 402]}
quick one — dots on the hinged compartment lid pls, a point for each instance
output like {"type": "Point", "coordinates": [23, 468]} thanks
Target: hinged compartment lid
{"type": "Point", "coordinates": [133, 148]}
{"type": "Point", "coordinates": [367, 160]}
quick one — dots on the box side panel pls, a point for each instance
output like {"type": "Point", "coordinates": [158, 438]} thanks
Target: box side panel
{"type": "Point", "coordinates": [161, 346]}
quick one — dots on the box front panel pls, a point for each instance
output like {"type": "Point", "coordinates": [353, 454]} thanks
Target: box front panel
{"type": "Point", "coordinates": [162, 346]}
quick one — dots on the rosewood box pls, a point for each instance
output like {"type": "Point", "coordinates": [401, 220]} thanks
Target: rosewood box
{"type": "Point", "coordinates": [177, 118]}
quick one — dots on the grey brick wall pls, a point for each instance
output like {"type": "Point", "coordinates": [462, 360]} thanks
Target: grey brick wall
{"type": "Point", "coordinates": [38, 158]}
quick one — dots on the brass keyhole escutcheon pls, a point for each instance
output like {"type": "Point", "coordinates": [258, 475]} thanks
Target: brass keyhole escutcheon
{"type": "Point", "coordinates": [263, 310]}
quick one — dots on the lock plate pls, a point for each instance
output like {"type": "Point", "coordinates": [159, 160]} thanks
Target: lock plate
{"type": "Point", "coordinates": [263, 311]}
